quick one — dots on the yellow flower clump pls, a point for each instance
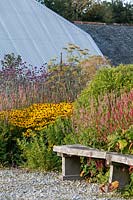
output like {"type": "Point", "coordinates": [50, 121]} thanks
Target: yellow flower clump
{"type": "Point", "coordinates": [37, 116]}
{"type": "Point", "coordinates": [29, 133]}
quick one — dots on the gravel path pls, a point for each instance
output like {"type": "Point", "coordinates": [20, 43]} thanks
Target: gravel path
{"type": "Point", "coordinates": [21, 185]}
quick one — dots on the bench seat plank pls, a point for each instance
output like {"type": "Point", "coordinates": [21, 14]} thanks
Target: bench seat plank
{"type": "Point", "coordinates": [79, 150]}
{"type": "Point", "coordinates": [119, 158]}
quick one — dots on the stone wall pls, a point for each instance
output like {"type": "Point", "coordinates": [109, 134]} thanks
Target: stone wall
{"type": "Point", "coordinates": [114, 41]}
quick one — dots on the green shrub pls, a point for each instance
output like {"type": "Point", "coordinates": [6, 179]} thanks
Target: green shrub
{"type": "Point", "coordinates": [107, 80]}
{"type": "Point", "coordinates": [37, 151]}
{"type": "Point", "coordinates": [35, 148]}
{"type": "Point", "coordinates": [95, 170]}
{"type": "Point", "coordinates": [37, 155]}
{"type": "Point", "coordinates": [10, 154]}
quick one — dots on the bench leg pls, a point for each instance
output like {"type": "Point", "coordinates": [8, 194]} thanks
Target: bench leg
{"type": "Point", "coordinates": [71, 167]}
{"type": "Point", "coordinates": [120, 173]}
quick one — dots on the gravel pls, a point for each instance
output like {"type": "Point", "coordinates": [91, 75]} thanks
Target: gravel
{"type": "Point", "coordinates": [19, 184]}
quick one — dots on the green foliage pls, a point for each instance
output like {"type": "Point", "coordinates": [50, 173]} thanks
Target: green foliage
{"type": "Point", "coordinates": [37, 155]}
{"type": "Point", "coordinates": [125, 14]}
{"type": "Point", "coordinates": [38, 150]}
{"type": "Point", "coordinates": [107, 80]}
{"type": "Point", "coordinates": [116, 11]}
{"type": "Point", "coordinates": [10, 154]}
{"type": "Point", "coordinates": [110, 12]}
{"type": "Point", "coordinates": [56, 133]}
{"type": "Point", "coordinates": [70, 9]}
{"type": "Point", "coordinates": [11, 61]}
{"type": "Point", "coordinates": [128, 190]}
{"type": "Point", "coordinates": [95, 170]}
{"type": "Point", "coordinates": [121, 141]}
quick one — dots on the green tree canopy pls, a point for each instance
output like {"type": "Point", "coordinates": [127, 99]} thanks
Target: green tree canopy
{"type": "Point", "coordinates": [116, 11]}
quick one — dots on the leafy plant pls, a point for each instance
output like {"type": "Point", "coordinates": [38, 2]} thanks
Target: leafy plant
{"type": "Point", "coordinates": [128, 191]}
{"type": "Point", "coordinates": [95, 170]}
{"type": "Point", "coordinates": [107, 80]}
{"type": "Point", "coordinates": [37, 151]}
{"type": "Point", "coordinates": [10, 154]}
{"type": "Point", "coordinates": [121, 141]}
{"type": "Point", "coordinates": [37, 155]}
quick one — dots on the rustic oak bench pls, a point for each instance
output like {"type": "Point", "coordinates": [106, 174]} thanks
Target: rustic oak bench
{"type": "Point", "coordinates": [118, 163]}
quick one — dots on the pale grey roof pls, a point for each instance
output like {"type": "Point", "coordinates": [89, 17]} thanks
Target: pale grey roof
{"type": "Point", "coordinates": [33, 31]}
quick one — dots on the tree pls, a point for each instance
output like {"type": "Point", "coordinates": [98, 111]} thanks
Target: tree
{"type": "Point", "coordinates": [80, 8]}
{"type": "Point", "coordinates": [95, 13]}
{"type": "Point", "coordinates": [115, 11]}
{"type": "Point", "coordinates": [56, 5]}
{"type": "Point", "coordinates": [70, 9]}
{"type": "Point", "coordinates": [122, 12]}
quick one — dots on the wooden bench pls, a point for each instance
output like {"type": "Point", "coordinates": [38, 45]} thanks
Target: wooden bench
{"type": "Point", "coordinates": [118, 163]}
